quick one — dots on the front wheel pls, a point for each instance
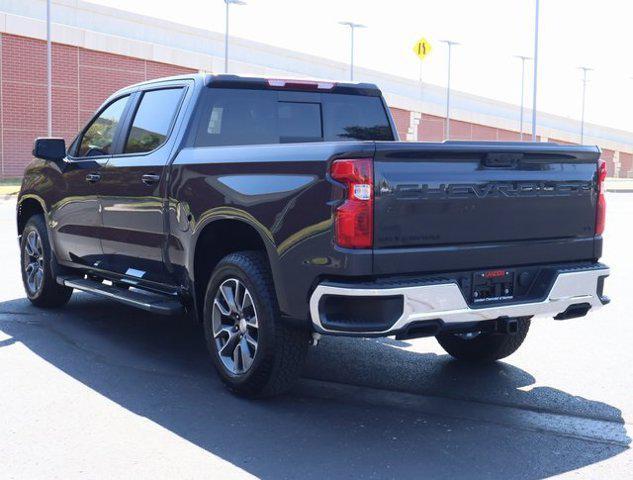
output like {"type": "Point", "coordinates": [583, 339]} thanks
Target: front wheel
{"type": "Point", "coordinates": [484, 346]}
{"type": "Point", "coordinates": [255, 353]}
{"type": "Point", "coordinates": [39, 284]}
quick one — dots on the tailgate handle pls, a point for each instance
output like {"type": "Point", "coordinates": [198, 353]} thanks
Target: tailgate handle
{"type": "Point", "coordinates": [501, 160]}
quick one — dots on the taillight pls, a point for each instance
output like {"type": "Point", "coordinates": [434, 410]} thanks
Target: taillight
{"type": "Point", "coordinates": [602, 203]}
{"type": "Point", "coordinates": [354, 218]}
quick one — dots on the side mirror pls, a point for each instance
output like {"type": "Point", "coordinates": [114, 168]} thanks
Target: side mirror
{"type": "Point", "coordinates": [53, 149]}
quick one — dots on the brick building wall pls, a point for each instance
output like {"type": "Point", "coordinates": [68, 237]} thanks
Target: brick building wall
{"type": "Point", "coordinates": [608, 156]}
{"type": "Point", "coordinates": [626, 165]}
{"type": "Point", "coordinates": [433, 129]}
{"type": "Point", "coordinates": [83, 79]}
{"type": "Point", "coordinates": [401, 118]}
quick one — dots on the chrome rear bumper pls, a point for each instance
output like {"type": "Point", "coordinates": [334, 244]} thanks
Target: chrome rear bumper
{"type": "Point", "coordinates": [445, 302]}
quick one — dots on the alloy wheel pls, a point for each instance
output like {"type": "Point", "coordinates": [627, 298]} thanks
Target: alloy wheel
{"type": "Point", "coordinates": [235, 327]}
{"type": "Point", "coordinates": [33, 262]}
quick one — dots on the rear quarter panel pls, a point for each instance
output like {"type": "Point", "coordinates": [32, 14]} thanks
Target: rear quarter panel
{"type": "Point", "coordinates": [282, 191]}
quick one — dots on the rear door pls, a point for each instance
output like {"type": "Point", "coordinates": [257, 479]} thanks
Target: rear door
{"type": "Point", "coordinates": [478, 195]}
{"type": "Point", "coordinates": [133, 186]}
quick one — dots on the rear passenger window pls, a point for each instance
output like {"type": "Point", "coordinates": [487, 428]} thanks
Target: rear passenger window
{"type": "Point", "coordinates": [238, 117]}
{"type": "Point", "coordinates": [299, 122]}
{"type": "Point", "coordinates": [153, 119]}
{"type": "Point", "coordinates": [355, 117]}
{"type": "Point", "coordinates": [250, 117]}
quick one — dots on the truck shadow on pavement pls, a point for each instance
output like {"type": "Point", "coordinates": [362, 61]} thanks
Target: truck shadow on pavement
{"type": "Point", "coordinates": [157, 367]}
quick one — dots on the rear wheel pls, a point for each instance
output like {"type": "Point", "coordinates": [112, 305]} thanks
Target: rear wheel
{"type": "Point", "coordinates": [254, 352]}
{"type": "Point", "coordinates": [39, 284]}
{"type": "Point", "coordinates": [484, 346]}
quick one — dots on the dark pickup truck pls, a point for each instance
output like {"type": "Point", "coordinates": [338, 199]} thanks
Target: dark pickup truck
{"type": "Point", "coordinates": [273, 212]}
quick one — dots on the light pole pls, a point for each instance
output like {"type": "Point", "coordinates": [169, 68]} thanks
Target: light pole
{"type": "Point", "coordinates": [352, 26]}
{"type": "Point", "coordinates": [523, 58]}
{"type": "Point", "coordinates": [226, 33]}
{"type": "Point", "coordinates": [49, 71]}
{"type": "Point", "coordinates": [449, 44]}
{"type": "Point", "coordinates": [584, 91]}
{"type": "Point", "coordinates": [535, 72]}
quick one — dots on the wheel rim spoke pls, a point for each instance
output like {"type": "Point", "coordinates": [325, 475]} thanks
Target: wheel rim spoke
{"type": "Point", "coordinates": [252, 342]}
{"type": "Point", "coordinates": [39, 274]}
{"type": "Point", "coordinates": [223, 309]}
{"type": "Point", "coordinates": [30, 274]}
{"type": "Point", "coordinates": [228, 349]}
{"type": "Point", "coordinates": [247, 301]}
{"type": "Point", "coordinates": [228, 294]}
{"type": "Point", "coordinates": [236, 359]}
{"type": "Point", "coordinates": [240, 293]}
{"type": "Point", "coordinates": [252, 321]}
{"type": "Point", "coordinates": [235, 326]}
{"type": "Point", "coordinates": [28, 248]}
{"type": "Point", "coordinates": [31, 245]}
{"type": "Point", "coordinates": [247, 360]}
{"type": "Point", "coordinates": [224, 331]}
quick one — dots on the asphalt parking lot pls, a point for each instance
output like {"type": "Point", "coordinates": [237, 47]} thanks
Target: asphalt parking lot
{"type": "Point", "coordinates": [99, 390]}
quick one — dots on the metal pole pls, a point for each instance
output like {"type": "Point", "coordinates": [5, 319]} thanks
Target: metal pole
{"type": "Point", "coordinates": [448, 96]}
{"type": "Point", "coordinates": [226, 40]}
{"type": "Point", "coordinates": [352, 26]}
{"type": "Point", "coordinates": [49, 70]}
{"type": "Point", "coordinates": [226, 31]}
{"type": "Point", "coordinates": [535, 71]}
{"type": "Point", "coordinates": [351, 70]}
{"type": "Point", "coordinates": [522, 90]}
{"type": "Point", "coordinates": [421, 86]}
{"type": "Point", "coordinates": [449, 44]}
{"type": "Point", "coordinates": [523, 58]}
{"type": "Point", "coordinates": [584, 92]}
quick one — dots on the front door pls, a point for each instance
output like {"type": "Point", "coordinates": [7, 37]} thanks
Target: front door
{"type": "Point", "coordinates": [133, 185]}
{"type": "Point", "coordinates": [76, 216]}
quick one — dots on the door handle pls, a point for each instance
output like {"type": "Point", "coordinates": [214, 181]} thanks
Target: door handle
{"type": "Point", "coordinates": [93, 177]}
{"type": "Point", "coordinates": [150, 178]}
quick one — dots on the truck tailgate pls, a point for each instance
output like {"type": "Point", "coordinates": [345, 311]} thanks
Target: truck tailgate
{"type": "Point", "coordinates": [483, 193]}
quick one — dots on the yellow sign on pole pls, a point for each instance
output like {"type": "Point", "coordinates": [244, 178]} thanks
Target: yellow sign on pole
{"type": "Point", "coordinates": [422, 48]}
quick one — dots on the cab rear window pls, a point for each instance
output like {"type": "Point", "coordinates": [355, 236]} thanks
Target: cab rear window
{"type": "Point", "coordinates": [250, 117]}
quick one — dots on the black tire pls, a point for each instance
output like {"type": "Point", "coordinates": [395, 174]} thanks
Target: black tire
{"type": "Point", "coordinates": [280, 349]}
{"type": "Point", "coordinates": [486, 346]}
{"type": "Point", "coordinates": [45, 293]}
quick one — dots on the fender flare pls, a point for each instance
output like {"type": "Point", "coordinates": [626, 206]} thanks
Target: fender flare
{"type": "Point", "coordinates": [264, 235]}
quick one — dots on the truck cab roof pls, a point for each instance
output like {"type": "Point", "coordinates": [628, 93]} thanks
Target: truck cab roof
{"type": "Point", "coordinates": [268, 83]}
